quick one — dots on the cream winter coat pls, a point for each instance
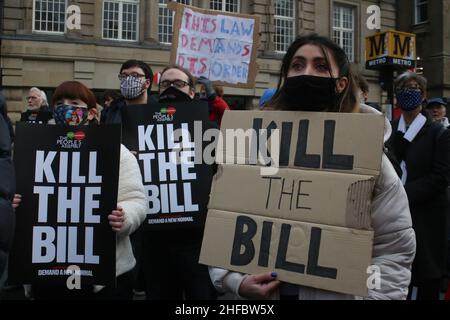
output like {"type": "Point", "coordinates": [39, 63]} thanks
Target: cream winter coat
{"type": "Point", "coordinates": [394, 244]}
{"type": "Point", "coordinates": [131, 197]}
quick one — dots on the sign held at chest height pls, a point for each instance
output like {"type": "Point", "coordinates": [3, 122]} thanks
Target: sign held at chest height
{"type": "Point", "coordinates": [177, 186]}
{"type": "Point", "coordinates": [310, 220]}
{"type": "Point", "coordinates": [69, 188]}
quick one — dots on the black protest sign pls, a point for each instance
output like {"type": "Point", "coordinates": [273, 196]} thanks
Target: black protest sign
{"type": "Point", "coordinates": [68, 178]}
{"type": "Point", "coordinates": [168, 141]}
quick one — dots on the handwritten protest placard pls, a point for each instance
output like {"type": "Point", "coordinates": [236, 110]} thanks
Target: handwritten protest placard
{"type": "Point", "coordinates": [221, 47]}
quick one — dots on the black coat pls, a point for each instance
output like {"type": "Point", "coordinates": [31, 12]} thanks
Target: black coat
{"type": "Point", "coordinates": [42, 116]}
{"type": "Point", "coordinates": [428, 174]}
{"type": "Point", "coordinates": [113, 114]}
{"type": "Point", "coordinates": [7, 189]}
{"type": "Point", "coordinates": [4, 113]}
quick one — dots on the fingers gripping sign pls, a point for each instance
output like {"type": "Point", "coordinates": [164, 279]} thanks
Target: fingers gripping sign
{"type": "Point", "coordinates": [116, 219]}
{"type": "Point", "coordinates": [260, 286]}
{"type": "Point", "coordinates": [16, 200]}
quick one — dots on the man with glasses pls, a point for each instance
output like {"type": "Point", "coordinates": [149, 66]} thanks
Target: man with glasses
{"type": "Point", "coordinates": [421, 147]}
{"type": "Point", "coordinates": [177, 84]}
{"type": "Point", "coordinates": [171, 257]}
{"type": "Point", "coordinates": [135, 82]}
{"type": "Point", "coordinates": [37, 107]}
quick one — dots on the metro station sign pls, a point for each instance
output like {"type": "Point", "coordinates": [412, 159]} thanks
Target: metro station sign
{"type": "Point", "coordinates": [391, 48]}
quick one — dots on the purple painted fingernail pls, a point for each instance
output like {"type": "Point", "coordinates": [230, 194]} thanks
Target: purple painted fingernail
{"type": "Point", "coordinates": [274, 274]}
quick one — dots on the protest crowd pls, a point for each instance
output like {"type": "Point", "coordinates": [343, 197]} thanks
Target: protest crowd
{"type": "Point", "coordinates": [111, 198]}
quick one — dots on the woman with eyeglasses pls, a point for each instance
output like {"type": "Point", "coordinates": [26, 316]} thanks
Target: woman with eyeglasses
{"type": "Point", "coordinates": [422, 148]}
{"type": "Point", "coordinates": [37, 107]}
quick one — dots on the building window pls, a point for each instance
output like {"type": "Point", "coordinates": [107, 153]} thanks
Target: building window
{"type": "Point", "coordinates": [344, 29]}
{"type": "Point", "coordinates": [120, 20]}
{"type": "Point", "coordinates": [49, 16]}
{"type": "Point", "coordinates": [284, 24]}
{"type": "Point", "coordinates": [225, 5]}
{"type": "Point", "coordinates": [421, 11]}
{"type": "Point", "coordinates": [165, 21]}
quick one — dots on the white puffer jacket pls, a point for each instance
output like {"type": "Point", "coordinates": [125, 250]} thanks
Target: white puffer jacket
{"type": "Point", "coordinates": [394, 241]}
{"type": "Point", "coordinates": [131, 197]}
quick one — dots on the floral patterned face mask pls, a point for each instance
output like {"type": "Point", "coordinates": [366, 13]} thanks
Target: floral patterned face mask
{"type": "Point", "coordinates": [70, 115]}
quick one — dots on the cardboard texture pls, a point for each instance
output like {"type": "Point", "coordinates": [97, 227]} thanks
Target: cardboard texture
{"type": "Point", "coordinates": [309, 220]}
{"type": "Point", "coordinates": [325, 257]}
{"type": "Point", "coordinates": [357, 138]}
{"type": "Point", "coordinates": [199, 42]}
{"type": "Point", "coordinates": [311, 196]}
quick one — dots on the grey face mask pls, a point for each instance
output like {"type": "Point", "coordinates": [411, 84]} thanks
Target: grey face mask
{"type": "Point", "coordinates": [132, 87]}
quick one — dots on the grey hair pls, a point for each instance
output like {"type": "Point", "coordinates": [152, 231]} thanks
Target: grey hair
{"type": "Point", "coordinates": [41, 94]}
{"type": "Point", "coordinates": [409, 76]}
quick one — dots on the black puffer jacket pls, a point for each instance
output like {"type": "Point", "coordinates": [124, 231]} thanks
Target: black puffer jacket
{"type": "Point", "coordinates": [7, 188]}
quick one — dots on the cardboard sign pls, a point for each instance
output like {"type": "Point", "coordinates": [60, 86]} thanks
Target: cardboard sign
{"type": "Point", "coordinates": [68, 179]}
{"type": "Point", "coordinates": [391, 48]}
{"type": "Point", "coordinates": [348, 143]}
{"type": "Point", "coordinates": [219, 46]}
{"type": "Point", "coordinates": [311, 196]}
{"type": "Point", "coordinates": [320, 256]}
{"type": "Point", "coordinates": [177, 187]}
{"type": "Point", "coordinates": [310, 219]}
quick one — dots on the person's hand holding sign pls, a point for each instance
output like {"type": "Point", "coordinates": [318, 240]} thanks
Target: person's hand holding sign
{"type": "Point", "coordinates": [260, 286]}
{"type": "Point", "coordinates": [207, 87]}
{"type": "Point", "coordinates": [116, 219]}
{"type": "Point", "coordinates": [16, 200]}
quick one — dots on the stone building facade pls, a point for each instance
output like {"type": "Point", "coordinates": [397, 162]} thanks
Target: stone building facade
{"type": "Point", "coordinates": [37, 49]}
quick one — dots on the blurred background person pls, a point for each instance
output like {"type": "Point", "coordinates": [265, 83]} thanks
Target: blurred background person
{"type": "Point", "coordinates": [38, 110]}
{"type": "Point", "coordinates": [109, 97]}
{"type": "Point", "coordinates": [214, 96]}
{"type": "Point", "coordinates": [7, 188]}
{"type": "Point", "coordinates": [422, 148]}
{"type": "Point", "coordinates": [363, 86]}
{"type": "Point", "coordinates": [436, 107]}
{"type": "Point", "coordinates": [4, 113]}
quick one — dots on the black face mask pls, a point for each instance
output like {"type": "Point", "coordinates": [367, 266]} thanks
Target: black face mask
{"type": "Point", "coordinates": [172, 94]}
{"type": "Point", "coordinates": [310, 93]}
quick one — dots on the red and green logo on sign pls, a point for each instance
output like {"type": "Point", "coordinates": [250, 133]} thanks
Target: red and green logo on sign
{"type": "Point", "coordinates": [80, 135]}
{"type": "Point", "coordinates": [169, 110]}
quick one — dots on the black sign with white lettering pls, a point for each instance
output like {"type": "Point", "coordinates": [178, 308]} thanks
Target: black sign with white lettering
{"type": "Point", "coordinates": [68, 179]}
{"type": "Point", "coordinates": [169, 142]}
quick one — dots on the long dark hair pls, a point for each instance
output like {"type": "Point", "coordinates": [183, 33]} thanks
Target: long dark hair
{"type": "Point", "coordinates": [347, 99]}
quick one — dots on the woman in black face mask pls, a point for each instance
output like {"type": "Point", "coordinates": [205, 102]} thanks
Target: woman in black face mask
{"type": "Point", "coordinates": [176, 85]}
{"type": "Point", "coordinates": [315, 76]}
